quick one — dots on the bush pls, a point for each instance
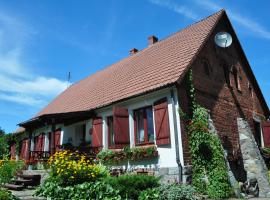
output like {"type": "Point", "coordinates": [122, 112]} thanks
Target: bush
{"type": "Point", "coordinates": [149, 194]}
{"type": "Point", "coordinates": [8, 169]}
{"type": "Point", "coordinates": [98, 190]}
{"type": "Point", "coordinates": [176, 192]}
{"type": "Point", "coordinates": [129, 186]}
{"type": "Point", "coordinates": [7, 195]}
{"type": "Point", "coordinates": [71, 168]}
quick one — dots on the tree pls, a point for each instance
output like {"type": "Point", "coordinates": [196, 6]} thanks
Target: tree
{"type": "Point", "coordinates": [2, 132]}
{"type": "Point", "coordinates": [4, 147]}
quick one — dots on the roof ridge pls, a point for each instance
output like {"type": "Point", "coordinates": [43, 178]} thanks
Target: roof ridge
{"type": "Point", "coordinates": [89, 84]}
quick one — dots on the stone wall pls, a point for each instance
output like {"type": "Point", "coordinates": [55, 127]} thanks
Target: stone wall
{"type": "Point", "coordinates": [253, 161]}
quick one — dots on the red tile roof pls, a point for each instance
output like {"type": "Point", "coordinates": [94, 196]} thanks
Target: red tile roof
{"type": "Point", "coordinates": [154, 67]}
{"type": "Point", "coordinates": [19, 130]}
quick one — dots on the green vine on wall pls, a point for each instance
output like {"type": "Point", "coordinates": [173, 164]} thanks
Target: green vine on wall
{"type": "Point", "coordinates": [208, 165]}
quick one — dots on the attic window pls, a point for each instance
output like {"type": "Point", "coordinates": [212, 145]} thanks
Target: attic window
{"type": "Point", "coordinates": [206, 67]}
{"type": "Point", "coordinates": [237, 78]}
{"type": "Point", "coordinates": [227, 74]}
{"type": "Point", "coordinates": [250, 89]}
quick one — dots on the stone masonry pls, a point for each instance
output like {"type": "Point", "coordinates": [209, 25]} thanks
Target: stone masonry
{"type": "Point", "coordinates": [253, 161]}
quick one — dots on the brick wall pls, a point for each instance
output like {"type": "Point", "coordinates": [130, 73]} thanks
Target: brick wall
{"type": "Point", "coordinates": [213, 92]}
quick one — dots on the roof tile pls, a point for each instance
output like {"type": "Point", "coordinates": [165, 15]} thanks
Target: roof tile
{"type": "Point", "coordinates": [153, 67]}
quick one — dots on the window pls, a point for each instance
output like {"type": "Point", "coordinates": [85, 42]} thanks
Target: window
{"type": "Point", "coordinates": [206, 67]}
{"type": "Point", "coordinates": [111, 142]}
{"type": "Point", "coordinates": [144, 126]}
{"type": "Point", "coordinates": [237, 79]}
{"type": "Point", "coordinates": [250, 89]}
{"type": "Point", "coordinates": [227, 74]}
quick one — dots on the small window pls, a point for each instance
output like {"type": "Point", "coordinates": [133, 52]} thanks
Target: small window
{"type": "Point", "coordinates": [227, 74]}
{"type": "Point", "coordinates": [237, 79]}
{"type": "Point", "coordinates": [111, 142]}
{"type": "Point", "coordinates": [206, 67]}
{"type": "Point", "coordinates": [144, 126]}
{"type": "Point", "coordinates": [250, 89]}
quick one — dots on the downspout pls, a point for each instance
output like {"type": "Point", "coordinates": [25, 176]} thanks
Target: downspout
{"type": "Point", "coordinates": [180, 168]}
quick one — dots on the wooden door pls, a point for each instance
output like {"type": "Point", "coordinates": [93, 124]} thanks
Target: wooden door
{"type": "Point", "coordinates": [266, 133]}
{"type": "Point", "coordinates": [24, 149]}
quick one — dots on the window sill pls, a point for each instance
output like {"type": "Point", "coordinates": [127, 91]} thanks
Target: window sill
{"type": "Point", "coordinates": [117, 147]}
{"type": "Point", "coordinates": [145, 144]}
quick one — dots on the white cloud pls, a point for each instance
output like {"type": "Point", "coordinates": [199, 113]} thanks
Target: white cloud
{"type": "Point", "coordinates": [243, 21]}
{"type": "Point", "coordinates": [22, 99]}
{"type": "Point", "coordinates": [181, 9]}
{"type": "Point", "coordinates": [41, 86]}
{"type": "Point", "coordinates": [18, 84]}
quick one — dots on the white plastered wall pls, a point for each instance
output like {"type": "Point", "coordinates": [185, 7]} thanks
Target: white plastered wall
{"type": "Point", "coordinates": [167, 154]}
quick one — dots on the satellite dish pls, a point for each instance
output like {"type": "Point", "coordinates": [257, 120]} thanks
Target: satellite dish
{"type": "Point", "coordinates": [223, 39]}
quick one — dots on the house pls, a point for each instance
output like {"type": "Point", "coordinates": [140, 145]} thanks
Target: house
{"type": "Point", "coordinates": [135, 102]}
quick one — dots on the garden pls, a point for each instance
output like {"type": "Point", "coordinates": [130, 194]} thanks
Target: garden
{"type": "Point", "coordinates": [73, 176]}
{"type": "Point", "coordinates": [8, 168]}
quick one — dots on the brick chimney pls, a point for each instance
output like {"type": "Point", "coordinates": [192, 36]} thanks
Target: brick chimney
{"type": "Point", "coordinates": [133, 51]}
{"type": "Point", "coordinates": [152, 40]}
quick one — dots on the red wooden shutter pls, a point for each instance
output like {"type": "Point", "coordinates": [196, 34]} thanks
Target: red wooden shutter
{"type": "Point", "coordinates": [97, 132]}
{"type": "Point", "coordinates": [162, 122]}
{"type": "Point", "coordinates": [121, 126]}
{"type": "Point", "coordinates": [41, 142]}
{"type": "Point", "coordinates": [57, 137]}
{"type": "Point", "coordinates": [266, 133]}
{"type": "Point", "coordinates": [24, 149]}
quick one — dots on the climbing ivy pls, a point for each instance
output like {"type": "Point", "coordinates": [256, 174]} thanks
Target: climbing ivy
{"type": "Point", "coordinates": [208, 165]}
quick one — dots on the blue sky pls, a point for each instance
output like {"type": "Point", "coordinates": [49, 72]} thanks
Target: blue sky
{"type": "Point", "coordinates": [41, 41]}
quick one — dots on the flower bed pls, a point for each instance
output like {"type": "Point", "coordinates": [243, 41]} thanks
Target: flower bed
{"type": "Point", "coordinates": [133, 154]}
{"type": "Point", "coordinates": [72, 168]}
{"type": "Point", "coordinates": [73, 176]}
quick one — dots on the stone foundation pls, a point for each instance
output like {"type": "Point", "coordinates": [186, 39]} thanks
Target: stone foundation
{"type": "Point", "coordinates": [168, 174]}
{"type": "Point", "coordinates": [253, 161]}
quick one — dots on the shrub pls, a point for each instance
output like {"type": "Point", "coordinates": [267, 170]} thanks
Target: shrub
{"type": "Point", "coordinates": [98, 190]}
{"type": "Point", "coordinates": [72, 168]}
{"type": "Point", "coordinates": [129, 186]}
{"type": "Point", "coordinates": [176, 192]}
{"type": "Point", "coordinates": [8, 169]}
{"type": "Point", "coordinates": [149, 194]}
{"type": "Point", "coordinates": [7, 195]}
